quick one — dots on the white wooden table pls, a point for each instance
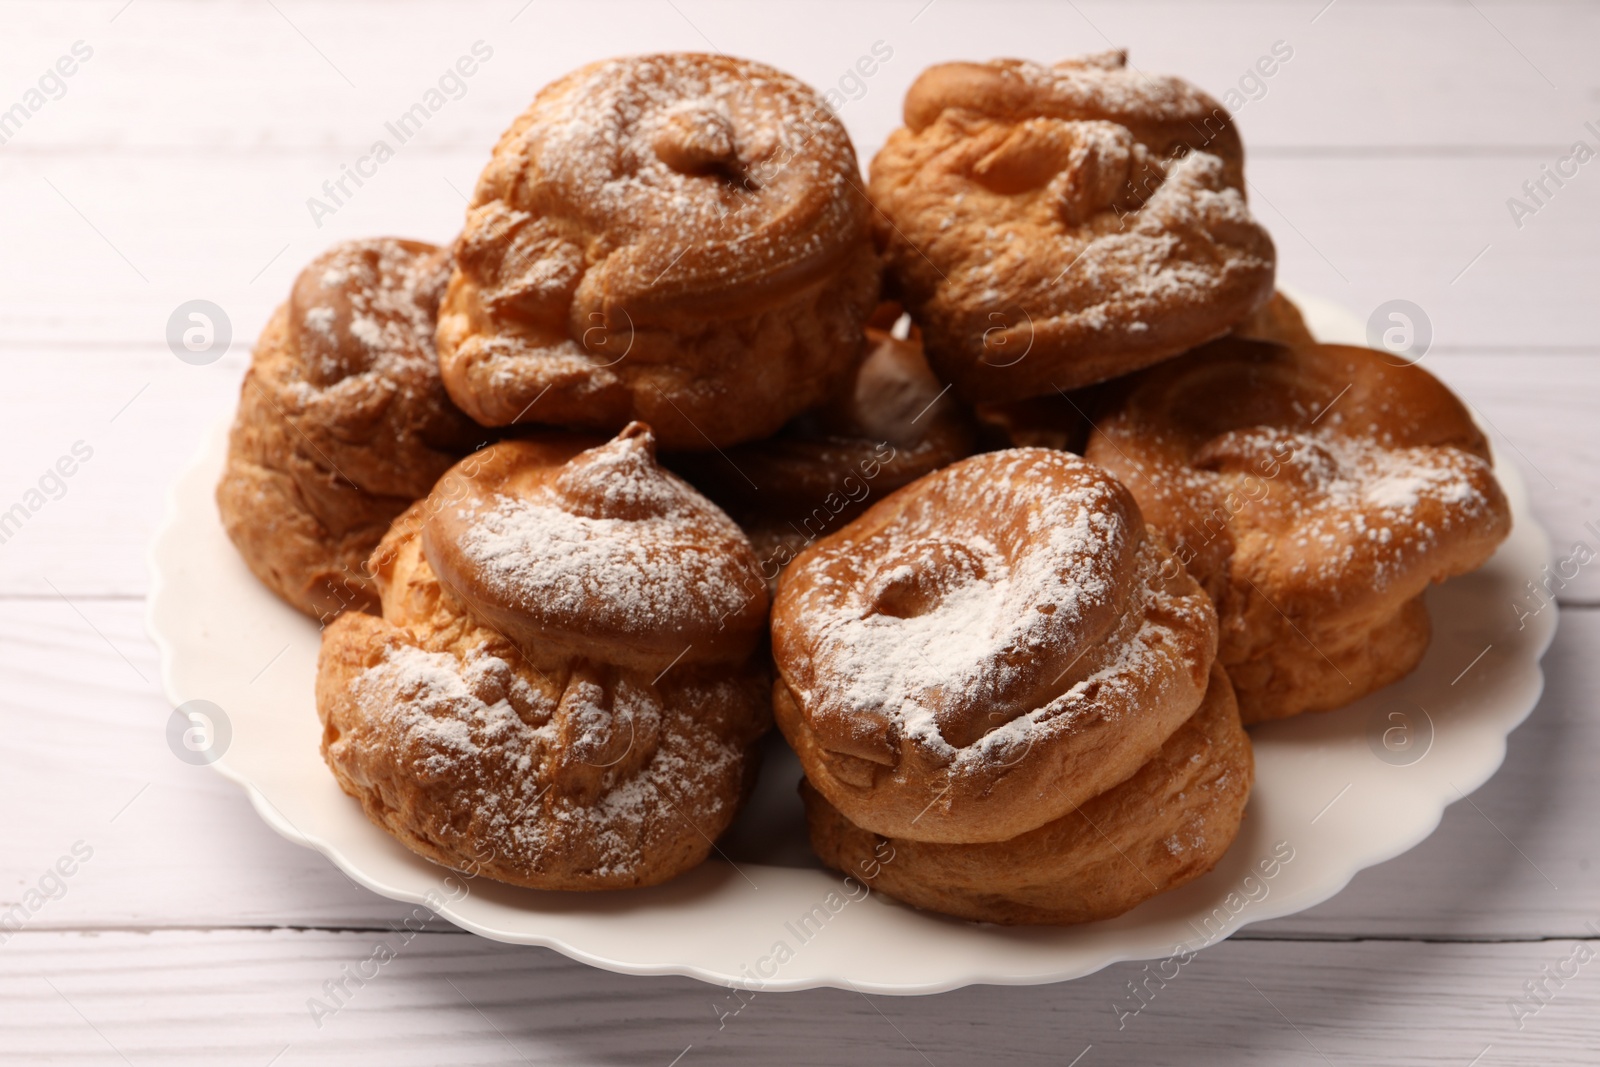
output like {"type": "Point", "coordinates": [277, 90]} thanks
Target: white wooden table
{"type": "Point", "coordinates": [176, 162]}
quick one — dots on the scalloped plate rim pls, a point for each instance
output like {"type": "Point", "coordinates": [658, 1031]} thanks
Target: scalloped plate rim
{"type": "Point", "coordinates": [1331, 323]}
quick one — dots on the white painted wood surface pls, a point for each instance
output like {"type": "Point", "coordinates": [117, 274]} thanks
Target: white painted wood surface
{"type": "Point", "coordinates": [177, 165]}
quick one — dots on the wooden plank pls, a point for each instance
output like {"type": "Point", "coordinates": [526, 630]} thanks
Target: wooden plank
{"type": "Point", "coordinates": [140, 415]}
{"type": "Point", "coordinates": [176, 845]}
{"type": "Point", "coordinates": [1437, 233]}
{"type": "Point", "coordinates": [184, 997]}
{"type": "Point", "coordinates": [304, 77]}
{"type": "Point", "coordinates": [173, 844]}
{"type": "Point", "coordinates": [1538, 423]}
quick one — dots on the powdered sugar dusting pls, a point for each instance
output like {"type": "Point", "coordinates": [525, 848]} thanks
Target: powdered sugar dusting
{"type": "Point", "coordinates": [998, 640]}
{"type": "Point", "coordinates": [1074, 211]}
{"type": "Point", "coordinates": [1103, 86]}
{"type": "Point", "coordinates": [487, 743]}
{"type": "Point", "coordinates": [667, 150]}
{"type": "Point", "coordinates": [616, 542]}
{"type": "Point", "coordinates": [438, 703]}
{"type": "Point", "coordinates": [370, 308]}
{"type": "Point", "coordinates": [1118, 270]}
{"type": "Point", "coordinates": [640, 571]}
{"type": "Point", "coordinates": [349, 362]}
{"type": "Point", "coordinates": [320, 319]}
{"type": "Point", "coordinates": [1138, 655]}
{"type": "Point", "coordinates": [1350, 505]}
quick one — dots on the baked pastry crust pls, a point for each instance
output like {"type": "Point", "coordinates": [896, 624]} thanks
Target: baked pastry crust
{"type": "Point", "coordinates": [1278, 321]}
{"type": "Point", "coordinates": [342, 422]}
{"type": "Point", "coordinates": [1165, 826]}
{"type": "Point", "coordinates": [986, 649]}
{"type": "Point", "coordinates": [677, 238]}
{"type": "Point", "coordinates": [1052, 227]}
{"type": "Point", "coordinates": [1061, 420]}
{"type": "Point", "coordinates": [893, 424]}
{"type": "Point", "coordinates": [1315, 491]}
{"type": "Point", "coordinates": [1055, 421]}
{"type": "Point", "coordinates": [553, 752]}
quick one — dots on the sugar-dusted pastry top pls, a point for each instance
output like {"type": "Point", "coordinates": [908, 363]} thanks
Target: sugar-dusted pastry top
{"type": "Point", "coordinates": [985, 648]}
{"type": "Point", "coordinates": [596, 550]}
{"type": "Point", "coordinates": [1315, 491]}
{"type": "Point", "coordinates": [1372, 479]}
{"type": "Point", "coordinates": [1054, 226]}
{"type": "Point", "coordinates": [342, 421]}
{"type": "Point", "coordinates": [679, 238]}
{"type": "Point", "coordinates": [1165, 114]}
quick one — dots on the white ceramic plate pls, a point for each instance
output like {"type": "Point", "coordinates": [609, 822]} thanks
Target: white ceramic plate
{"type": "Point", "coordinates": [1334, 793]}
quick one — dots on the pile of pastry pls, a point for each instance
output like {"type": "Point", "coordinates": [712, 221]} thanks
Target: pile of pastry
{"type": "Point", "coordinates": [1002, 482]}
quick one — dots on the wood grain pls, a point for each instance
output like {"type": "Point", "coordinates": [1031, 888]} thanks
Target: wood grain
{"type": "Point", "coordinates": [307, 77]}
{"type": "Point", "coordinates": [191, 997]}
